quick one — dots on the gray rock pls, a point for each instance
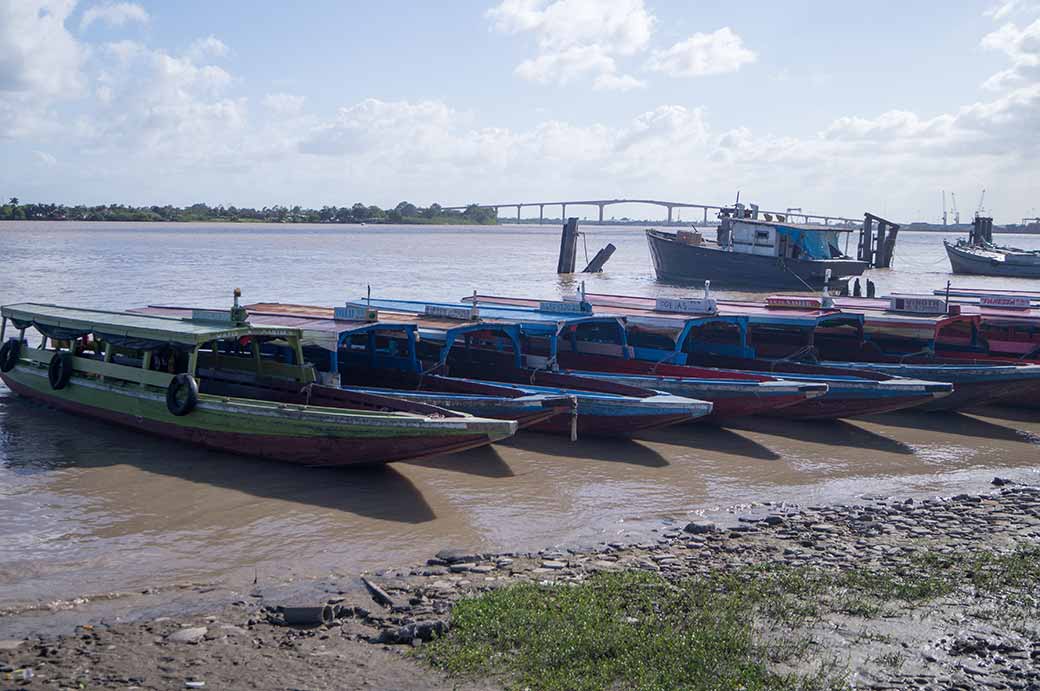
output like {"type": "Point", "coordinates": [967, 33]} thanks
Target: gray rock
{"type": "Point", "coordinates": [190, 634]}
{"type": "Point", "coordinates": [10, 644]}
{"type": "Point", "coordinates": [455, 556]}
{"type": "Point", "coordinates": [420, 630]}
{"type": "Point", "coordinates": [553, 564]}
{"type": "Point", "coordinates": [699, 527]}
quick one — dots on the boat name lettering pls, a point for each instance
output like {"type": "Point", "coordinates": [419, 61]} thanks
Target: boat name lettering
{"type": "Point", "coordinates": [794, 302]}
{"type": "Point", "coordinates": [356, 313]}
{"type": "Point", "coordinates": [463, 313]}
{"type": "Point", "coordinates": [565, 307]}
{"type": "Point", "coordinates": [686, 305]}
{"type": "Point", "coordinates": [1015, 302]}
{"type": "Point", "coordinates": [221, 316]}
{"type": "Point", "coordinates": [920, 304]}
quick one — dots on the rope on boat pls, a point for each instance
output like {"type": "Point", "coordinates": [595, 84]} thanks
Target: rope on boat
{"type": "Point", "coordinates": [804, 350]}
{"type": "Point", "coordinates": [672, 355]}
{"type": "Point", "coordinates": [436, 366]}
{"type": "Point", "coordinates": [549, 364]}
{"type": "Point", "coordinates": [783, 265]}
{"type": "Point", "coordinates": [924, 351]}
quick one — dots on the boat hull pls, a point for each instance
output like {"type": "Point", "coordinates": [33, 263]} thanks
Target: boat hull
{"type": "Point", "coordinates": [526, 411]}
{"type": "Point", "coordinates": [963, 262]}
{"type": "Point", "coordinates": [972, 385]}
{"type": "Point", "coordinates": [678, 262]}
{"type": "Point", "coordinates": [731, 394]}
{"type": "Point", "coordinates": [245, 428]}
{"type": "Point", "coordinates": [603, 409]}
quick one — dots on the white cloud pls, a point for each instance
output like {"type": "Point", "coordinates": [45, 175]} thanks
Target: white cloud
{"type": "Point", "coordinates": [575, 63]}
{"type": "Point", "coordinates": [577, 38]}
{"type": "Point", "coordinates": [38, 55]}
{"type": "Point", "coordinates": [113, 14]}
{"type": "Point", "coordinates": [151, 102]}
{"type": "Point", "coordinates": [286, 104]}
{"type": "Point", "coordinates": [719, 52]}
{"type": "Point", "coordinates": [1022, 46]}
{"type": "Point", "coordinates": [622, 25]}
{"type": "Point", "coordinates": [209, 47]}
{"type": "Point", "coordinates": [1008, 7]}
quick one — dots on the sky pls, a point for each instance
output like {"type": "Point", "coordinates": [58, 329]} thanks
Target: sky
{"type": "Point", "coordinates": [834, 107]}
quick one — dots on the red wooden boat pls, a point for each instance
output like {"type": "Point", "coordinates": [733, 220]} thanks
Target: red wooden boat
{"type": "Point", "coordinates": [668, 341]}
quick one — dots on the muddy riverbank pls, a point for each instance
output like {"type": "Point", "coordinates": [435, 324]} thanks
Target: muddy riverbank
{"type": "Point", "coordinates": [899, 592]}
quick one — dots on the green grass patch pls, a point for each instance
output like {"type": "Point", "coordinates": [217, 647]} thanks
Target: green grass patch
{"type": "Point", "coordinates": [727, 630]}
{"type": "Point", "coordinates": [628, 630]}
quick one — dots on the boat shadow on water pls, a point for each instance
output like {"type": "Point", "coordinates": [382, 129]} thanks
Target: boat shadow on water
{"type": "Point", "coordinates": [1009, 413]}
{"type": "Point", "coordinates": [484, 461]}
{"type": "Point", "coordinates": [712, 438]}
{"type": "Point", "coordinates": [615, 450]}
{"type": "Point", "coordinates": [827, 432]}
{"type": "Point", "coordinates": [39, 439]}
{"type": "Point", "coordinates": [955, 423]}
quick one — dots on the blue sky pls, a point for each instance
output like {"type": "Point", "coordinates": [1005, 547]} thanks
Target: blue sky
{"type": "Point", "coordinates": [835, 107]}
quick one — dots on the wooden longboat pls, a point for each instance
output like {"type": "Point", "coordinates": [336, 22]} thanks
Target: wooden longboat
{"type": "Point", "coordinates": [679, 345]}
{"type": "Point", "coordinates": [899, 344]}
{"type": "Point", "coordinates": [988, 326]}
{"type": "Point", "coordinates": [543, 341]}
{"type": "Point", "coordinates": [365, 344]}
{"type": "Point", "coordinates": [150, 372]}
{"type": "Point", "coordinates": [441, 357]}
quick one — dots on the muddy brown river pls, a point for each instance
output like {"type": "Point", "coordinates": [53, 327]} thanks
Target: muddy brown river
{"type": "Point", "coordinates": [87, 508]}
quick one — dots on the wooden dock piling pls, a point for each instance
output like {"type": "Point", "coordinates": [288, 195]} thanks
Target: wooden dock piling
{"type": "Point", "coordinates": [596, 265]}
{"type": "Point", "coordinates": [878, 248]}
{"type": "Point", "coordinates": [568, 247]}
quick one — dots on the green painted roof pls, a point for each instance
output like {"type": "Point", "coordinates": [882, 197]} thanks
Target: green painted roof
{"type": "Point", "coordinates": [143, 326]}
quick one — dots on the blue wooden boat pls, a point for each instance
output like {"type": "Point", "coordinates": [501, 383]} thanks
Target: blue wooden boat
{"type": "Point", "coordinates": [668, 343]}
{"type": "Point", "coordinates": [793, 341]}
{"type": "Point", "coordinates": [407, 350]}
{"type": "Point", "coordinates": [439, 353]}
{"type": "Point", "coordinates": [547, 343]}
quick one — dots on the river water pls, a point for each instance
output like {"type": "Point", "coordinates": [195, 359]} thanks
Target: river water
{"type": "Point", "coordinates": [88, 508]}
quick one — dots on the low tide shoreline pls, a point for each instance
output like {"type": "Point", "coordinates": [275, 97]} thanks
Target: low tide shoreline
{"type": "Point", "coordinates": [957, 608]}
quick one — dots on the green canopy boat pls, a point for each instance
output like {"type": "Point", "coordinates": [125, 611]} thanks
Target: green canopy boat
{"type": "Point", "coordinates": [205, 380]}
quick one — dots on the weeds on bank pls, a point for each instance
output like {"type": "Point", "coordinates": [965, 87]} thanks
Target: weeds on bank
{"type": "Point", "coordinates": [726, 630]}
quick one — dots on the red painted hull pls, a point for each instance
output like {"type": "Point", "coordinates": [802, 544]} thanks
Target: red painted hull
{"type": "Point", "coordinates": [723, 405]}
{"type": "Point", "coordinates": [825, 408]}
{"type": "Point", "coordinates": [723, 408]}
{"type": "Point", "coordinates": [311, 451]}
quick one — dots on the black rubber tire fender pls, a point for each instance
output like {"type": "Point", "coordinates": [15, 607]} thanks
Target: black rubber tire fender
{"type": "Point", "coordinates": [174, 404]}
{"type": "Point", "coordinates": [9, 354]}
{"type": "Point", "coordinates": [60, 370]}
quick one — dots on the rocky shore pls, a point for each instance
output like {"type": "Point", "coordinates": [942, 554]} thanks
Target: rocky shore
{"type": "Point", "coordinates": [894, 593]}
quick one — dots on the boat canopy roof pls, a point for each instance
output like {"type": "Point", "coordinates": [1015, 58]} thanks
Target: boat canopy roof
{"type": "Point", "coordinates": [316, 324]}
{"type": "Point", "coordinates": [728, 311]}
{"type": "Point", "coordinates": [132, 329]}
{"type": "Point", "coordinates": [530, 320]}
{"type": "Point", "coordinates": [784, 225]}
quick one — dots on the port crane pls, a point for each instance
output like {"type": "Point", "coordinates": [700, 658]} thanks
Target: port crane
{"type": "Point", "coordinates": [956, 214]}
{"type": "Point", "coordinates": [982, 198]}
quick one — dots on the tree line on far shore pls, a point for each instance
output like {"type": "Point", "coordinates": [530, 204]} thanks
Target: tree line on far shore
{"type": "Point", "coordinates": [404, 213]}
